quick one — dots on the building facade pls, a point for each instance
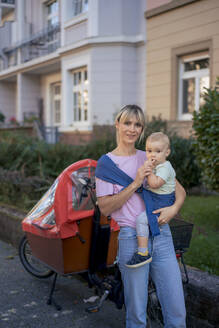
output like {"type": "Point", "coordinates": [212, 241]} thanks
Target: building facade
{"type": "Point", "coordinates": [182, 58]}
{"type": "Point", "coordinates": [73, 63]}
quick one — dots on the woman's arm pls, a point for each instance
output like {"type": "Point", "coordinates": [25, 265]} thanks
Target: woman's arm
{"type": "Point", "coordinates": [167, 213]}
{"type": "Point", "coordinates": [109, 204]}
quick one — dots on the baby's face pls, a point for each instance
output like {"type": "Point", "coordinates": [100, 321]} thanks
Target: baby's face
{"type": "Point", "coordinates": [157, 151]}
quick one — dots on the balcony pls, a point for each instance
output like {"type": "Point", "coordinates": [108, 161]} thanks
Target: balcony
{"type": "Point", "coordinates": [8, 2]}
{"type": "Point", "coordinates": [40, 44]}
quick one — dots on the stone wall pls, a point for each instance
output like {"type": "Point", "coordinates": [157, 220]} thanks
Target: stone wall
{"type": "Point", "coordinates": [202, 291]}
{"type": "Point", "coordinates": [202, 299]}
{"type": "Point", "coordinates": [10, 225]}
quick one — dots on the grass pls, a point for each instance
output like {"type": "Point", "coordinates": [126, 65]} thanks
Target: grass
{"type": "Point", "coordinates": [203, 211]}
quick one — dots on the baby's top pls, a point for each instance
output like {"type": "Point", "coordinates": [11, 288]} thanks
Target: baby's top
{"type": "Point", "coordinates": [166, 172]}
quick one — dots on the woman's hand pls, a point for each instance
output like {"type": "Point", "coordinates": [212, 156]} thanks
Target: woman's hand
{"type": "Point", "coordinates": [166, 214]}
{"type": "Point", "coordinates": [142, 172]}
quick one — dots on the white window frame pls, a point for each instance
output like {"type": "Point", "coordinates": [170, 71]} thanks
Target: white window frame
{"type": "Point", "coordinates": [82, 88]}
{"type": "Point", "coordinates": [52, 15]}
{"type": "Point", "coordinates": [82, 4]}
{"type": "Point", "coordinates": [197, 75]}
{"type": "Point", "coordinates": [54, 98]}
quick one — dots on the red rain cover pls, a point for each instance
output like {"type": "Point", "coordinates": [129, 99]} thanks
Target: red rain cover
{"type": "Point", "coordinates": [57, 217]}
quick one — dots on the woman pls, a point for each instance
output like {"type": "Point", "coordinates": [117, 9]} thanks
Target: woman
{"type": "Point", "coordinates": [125, 204]}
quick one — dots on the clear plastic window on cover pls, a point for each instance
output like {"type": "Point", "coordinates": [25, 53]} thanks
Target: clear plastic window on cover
{"type": "Point", "coordinates": [82, 194]}
{"type": "Point", "coordinates": [44, 203]}
{"type": "Point", "coordinates": [48, 221]}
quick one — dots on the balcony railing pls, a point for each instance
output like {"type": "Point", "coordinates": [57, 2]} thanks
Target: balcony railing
{"type": "Point", "coordinates": [50, 134]}
{"type": "Point", "coordinates": [40, 44]}
{"type": "Point", "coordinates": [8, 2]}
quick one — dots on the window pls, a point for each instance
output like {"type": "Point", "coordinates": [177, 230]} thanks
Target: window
{"type": "Point", "coordinates": [52, 13]}
{"type": "Point", "coordinates": [52, 24]}
{"type": "Point", "coordinates": [12, 59]}
{"type": "Point", "coordinates": [56, 103]}
{"type": "Point", "coordinates": [80, 95]}
{"type": "Point", "coordinates": [80, 6]}
{"type": "Point", "coordinates": [193, 79]}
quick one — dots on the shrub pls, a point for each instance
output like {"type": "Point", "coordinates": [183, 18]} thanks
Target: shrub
{"type": "Point", "coordinates": [2, 117]}
{"type": "Point", "coordinates": [156, 124]}
{"type": "Point", "coordinates": [206, 145]}
{"type": "Point", "coordinates": [31, 157]}
{"type": "Point", "coordinates": [17, 190]}
{"type": "Point", "coordinates": [184, 161]}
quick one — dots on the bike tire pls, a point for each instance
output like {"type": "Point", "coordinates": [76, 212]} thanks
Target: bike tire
{"type": "Point", "coordinates": [31, 264]}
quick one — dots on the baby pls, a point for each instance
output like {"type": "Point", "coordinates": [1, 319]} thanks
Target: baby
{"type": "Point", "coordinates": [161, 181]}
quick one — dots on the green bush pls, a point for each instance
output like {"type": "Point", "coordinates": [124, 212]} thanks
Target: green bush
{"type": "Point", "coordinates": [184, 162]}
{"type": "Point", "coordinates": [2, 117]}
{"type": "Point", "coordinates": [156, 124]}
{"type": "Point", "coordinates": [33, 158]}
{"type": "Point", "coordinates": [22, 192]}
{"type": "Point", "coordinates": [206, 145]}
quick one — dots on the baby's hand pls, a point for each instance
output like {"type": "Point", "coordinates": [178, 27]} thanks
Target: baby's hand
{"type": "Point", "coordinates": [148, 165]}
{"type": "Point", "coordinates": [150, 162]}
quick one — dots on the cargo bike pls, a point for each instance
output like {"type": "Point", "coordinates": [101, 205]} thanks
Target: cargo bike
{"type": "Point", "coordinates": [65, 233]}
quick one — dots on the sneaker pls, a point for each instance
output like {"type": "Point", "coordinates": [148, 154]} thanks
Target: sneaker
{"type": "Point", "coordinates": [138, 260]}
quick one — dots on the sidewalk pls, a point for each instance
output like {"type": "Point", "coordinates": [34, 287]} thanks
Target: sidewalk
{"type": "Point", "coordinates": [23, 299]}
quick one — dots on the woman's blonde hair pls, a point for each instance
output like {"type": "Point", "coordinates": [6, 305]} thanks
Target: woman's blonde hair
{"type": "Point", "coordinates": [129, 111]}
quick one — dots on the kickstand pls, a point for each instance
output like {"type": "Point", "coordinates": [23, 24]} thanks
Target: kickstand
{"type": "Point", "coordinates": [51, 299]}
{"type": "Point", "coordinates": [96, 307]}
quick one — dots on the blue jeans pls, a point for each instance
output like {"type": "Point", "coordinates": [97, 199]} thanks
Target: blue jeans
{"type": "Point", "coordinates": [165, 273]}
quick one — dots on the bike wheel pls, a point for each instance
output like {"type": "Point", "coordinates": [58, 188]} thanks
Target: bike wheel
{"type": "Point", "coordinates": [31, 263]}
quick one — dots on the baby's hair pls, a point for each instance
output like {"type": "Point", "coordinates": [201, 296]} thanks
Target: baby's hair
{"type": "Point", "coordinates": [159, 136]}
{"type": "Point", "coordinates": [128, 111]}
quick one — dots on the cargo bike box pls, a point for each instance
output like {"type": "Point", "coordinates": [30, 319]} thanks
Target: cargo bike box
{"type": "Point", "coordinates": [59, 228]}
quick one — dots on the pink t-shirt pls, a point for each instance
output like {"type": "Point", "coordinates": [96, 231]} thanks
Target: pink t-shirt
{"type": "Point", "coordinates": [127, 214]}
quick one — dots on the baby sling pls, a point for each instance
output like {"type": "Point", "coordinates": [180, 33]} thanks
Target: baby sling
{"type": "Point", "coordinates": [108, 171]}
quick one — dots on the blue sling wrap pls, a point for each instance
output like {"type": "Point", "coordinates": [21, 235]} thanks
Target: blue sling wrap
{"type": "Point", "coordinates": [108, 171]}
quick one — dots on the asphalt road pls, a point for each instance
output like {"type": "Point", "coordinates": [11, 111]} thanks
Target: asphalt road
{"type": "Point", "coordinates": [23, 299]}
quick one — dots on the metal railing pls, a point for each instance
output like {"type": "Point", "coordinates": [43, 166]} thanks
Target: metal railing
{"type": "Point", "coordinates": [50, 134]}
{"type": "Point", "coordinates": [8, 2]}
{"type": "Point", "coordinates": [42, 43]}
